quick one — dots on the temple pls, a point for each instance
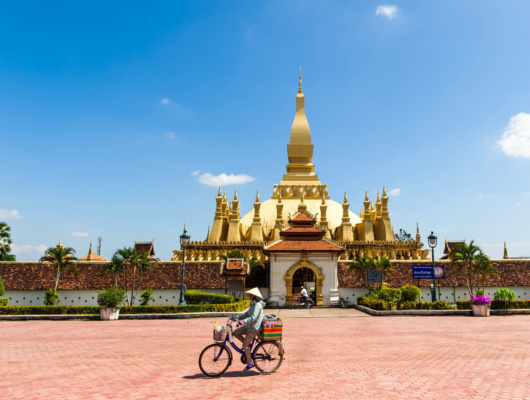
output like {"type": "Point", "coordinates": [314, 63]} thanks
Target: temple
{"type": "Point", "coordinates": [368, 234]}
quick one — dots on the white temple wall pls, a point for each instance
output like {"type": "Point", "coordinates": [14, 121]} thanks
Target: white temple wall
{"type": "Point", "coordinates": [280, 264]}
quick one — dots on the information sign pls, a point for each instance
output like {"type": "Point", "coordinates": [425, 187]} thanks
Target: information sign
{"type": "Point", "coordinates": [374, 276]}
{"type": "Point", "coordinates": [425, 272]}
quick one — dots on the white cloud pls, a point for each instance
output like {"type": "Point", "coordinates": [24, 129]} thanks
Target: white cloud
{"type": "Point", "coordinates": [518, 204]}
{"type": "Point", "coordinates": [9, 214]}
{"type": "Point", "coordinates": [170, 135]}
{"type": "Point", "coordinates": [394, 192]}
{"type": "Point", "coordinates": [387, 11]}
{"type": "Point", "coordinates": [80, 234]}
{"type": "Point", "coordinates": [27, 251]}
{"type": "Point", "coordinates": [195, 173]}
{"type": "Point", "coordinates": [223, 179]}
{"type": "Point", "coordinates": [165, 101]}
{"type": "Point", "coordinates": [515, 141]}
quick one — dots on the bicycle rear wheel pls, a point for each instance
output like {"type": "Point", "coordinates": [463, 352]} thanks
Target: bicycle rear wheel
{"type": "Point", "coordinates": [214, 360]}
{"type": "Point", "coordinates": [267, 357]}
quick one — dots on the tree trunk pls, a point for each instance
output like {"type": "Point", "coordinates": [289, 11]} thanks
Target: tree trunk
{"type": "Point", "coordinates": [57, 278]}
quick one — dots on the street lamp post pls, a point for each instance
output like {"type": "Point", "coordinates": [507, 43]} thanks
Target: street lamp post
{"type": "Point", "coordinates": [432, 244]}
{"type": "Point", "coordinates": [184, 240]}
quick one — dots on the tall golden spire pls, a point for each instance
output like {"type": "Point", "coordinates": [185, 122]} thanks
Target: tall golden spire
{"type": "Point", "coordinates": [300, 169]}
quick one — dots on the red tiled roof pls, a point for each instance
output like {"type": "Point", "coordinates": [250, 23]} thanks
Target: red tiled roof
{"type": "Point", "coordinates": [302, 229]}
{"type": "Point", "coordinates": [145, 247]}
{"type": "Point", "coordinates": [235, 264]}
{"type": "Point", "coordinates": [302, 217]}
{"type": "Point", "coordinates": [94, 257]}
{"type": "Point", "coordinates": [304, 245]}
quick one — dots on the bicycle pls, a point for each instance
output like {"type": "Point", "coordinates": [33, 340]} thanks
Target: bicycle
{"type": "Point", "coordinates": [297, 300]}
{"type": "Point", "coordinates": [217, 357]}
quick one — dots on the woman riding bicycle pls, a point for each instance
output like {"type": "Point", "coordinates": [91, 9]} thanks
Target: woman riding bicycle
{"type": "Point", "coordinates": [252, 323]}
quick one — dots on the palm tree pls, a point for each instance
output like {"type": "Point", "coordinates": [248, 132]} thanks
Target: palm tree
{"type": "Point", "coordinates": [362, 264]}
{"type": "Point", "coordinates": [484, 268]}
{"type": "Point", "coordinates": [470, 260]}
{"type": "Point", "coordinates": [5, 241]}
{"type": "Point", "coordinates": [383, 264]}
{"type": "Point", "coordinates": [132, 265]}
{"type": "Point", "coordinates": [61, 258]}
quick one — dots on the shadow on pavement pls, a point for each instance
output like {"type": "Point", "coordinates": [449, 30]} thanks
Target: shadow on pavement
{"type": "Point", "coordinates": [230, 374]}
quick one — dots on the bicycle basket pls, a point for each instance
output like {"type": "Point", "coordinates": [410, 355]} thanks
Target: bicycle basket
{"type": "Point", "coordinates": [272, 329]}
{"type": "Point", "coordinates": [219, 333]}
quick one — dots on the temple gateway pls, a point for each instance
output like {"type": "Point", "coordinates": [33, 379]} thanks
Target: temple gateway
{"type": "Point", "coordinates": [300, 233]}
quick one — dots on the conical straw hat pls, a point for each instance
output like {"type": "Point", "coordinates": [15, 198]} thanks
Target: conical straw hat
{"type": "Point", "coordinates": [255, 292]}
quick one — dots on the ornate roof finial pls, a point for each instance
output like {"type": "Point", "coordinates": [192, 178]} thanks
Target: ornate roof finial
{"type": "Point", "coordinates": [378, 199]}
{"type": "Point", "coordinates": [384, 191]}
{"type": "Point", "coordinates": [59, 245]}
{"type": "Point", "coordinates": [345, 198]}
{"type": "Point", "coordinates": [418, 228]}
{"type": "Point", "coordinates": [219, 192]}
{"type": "Point", "coordinates": [89, 257]}
{"type": "Point", "coordinates": [257, 197]}
{"type": "Point", "coordinates": [300, 81]}
{"type": "Point", "coordinates": [184, 229]}
{"type": "Point", "coordinates": [224, 196]}
{"type": "Point", "coordinates": [366, 197]}
{"type": "Point", "coordinates": [235, 195]}
{"type": "Point", "coordinates": [505, 252]}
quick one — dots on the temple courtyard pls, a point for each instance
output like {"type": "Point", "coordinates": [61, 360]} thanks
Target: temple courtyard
{"type": "Point", "coordinates": [330, 354]}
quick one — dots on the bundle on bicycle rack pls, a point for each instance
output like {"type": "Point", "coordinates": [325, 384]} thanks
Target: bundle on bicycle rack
{"type": "Point", "coordinates": [272, 328]}
{"type": "Point", "coordinates": [219, 333]}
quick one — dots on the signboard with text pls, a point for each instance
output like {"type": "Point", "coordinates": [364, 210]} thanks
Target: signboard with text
{"type": "Point", "coordinates": [374, 276]}
{"type": "Point", "coordinates": [425, 272]}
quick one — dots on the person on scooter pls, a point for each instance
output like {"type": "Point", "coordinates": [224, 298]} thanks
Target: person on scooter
{"type": "Point", "coordinates": [251, 319]}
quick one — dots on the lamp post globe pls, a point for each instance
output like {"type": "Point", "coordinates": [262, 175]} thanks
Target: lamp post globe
{"type": "Point", "coordinates": [184, 240]}
{"type": "Point", "coordinates": [433, 240]}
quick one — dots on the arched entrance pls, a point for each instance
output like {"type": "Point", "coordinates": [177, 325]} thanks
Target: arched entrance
{"type": "Point", "coordinates": [319, 277]}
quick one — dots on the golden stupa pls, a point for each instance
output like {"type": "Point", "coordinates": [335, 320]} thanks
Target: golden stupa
{"type": "Point", "coordinates": [368, 234]}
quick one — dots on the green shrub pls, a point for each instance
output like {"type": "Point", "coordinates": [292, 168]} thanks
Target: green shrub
{"type": "Point", "coordinates": [198, 297]}
{"type": "Point", "coordinates": [84, 310]}
{"type": "Point", "coordinates": [2, 290]}
{"type": "Point", "coordinates": [110, 297]}
{"type": "Point", "coordinates": [146, 296]}
{"type": "Point", "coordinates": [501, 294]}
{"type": "Point", "coordinates": [50, 297]}
{"type": "Point", "coordinates": [410, 293]}
{"type": "Point", "coordinates": [238, 299]}
{"type": "Point", "coordinates": [376, 304]}
{"type": "Point", "coordinates": [389, 294]}
{"type": "Point", "coordinates": [3, 302]}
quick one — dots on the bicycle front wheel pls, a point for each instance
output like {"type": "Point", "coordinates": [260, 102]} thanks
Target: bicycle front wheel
{"type": "Point", "coordinates": [214, 360]}
{"type": "Point", "coordinates": [267, 358]}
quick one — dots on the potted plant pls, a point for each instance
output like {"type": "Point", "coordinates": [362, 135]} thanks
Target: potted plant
{"type": "Point", "coordinates": [481, 305]}
{"type": "Point", "coordinates": [109, 299]}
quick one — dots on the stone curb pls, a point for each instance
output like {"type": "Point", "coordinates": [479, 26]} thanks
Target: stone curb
{"type": "Point", "coordinates": [389, 313]}
{"type": "Point", "coordinates": [65, 317]}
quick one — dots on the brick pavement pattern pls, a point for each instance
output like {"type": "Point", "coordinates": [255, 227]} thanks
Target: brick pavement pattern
{"type": "Point", "coordinates": [326, 358]}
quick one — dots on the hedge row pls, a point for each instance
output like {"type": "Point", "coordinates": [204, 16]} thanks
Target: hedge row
{"type": "Point", "coordinates": [83, 310]}
{"type": "Point", "coordinates": [497, 305]}
{"type": "Point", "coordinates": [199, 297]}
{"type": "Point", "coordinates": [3, 301]}
{"type": "Point", "coordinates": [376, 304]}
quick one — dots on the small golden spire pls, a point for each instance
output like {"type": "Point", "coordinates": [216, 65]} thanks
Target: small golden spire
{"type": "Point", "coordinates": [345, 198]}
{"type": "Point", "coordinates": [257, 197]}
{"type": "Point", "coordinates": [378, 199]}
{"type": "Point", "coordinates": [417, 228]}
{"type": "Point", "coordinates": [366, 197]}
{"type": "Point", "coordinates": [59, 245]}
{"type": "Point", "coordinates": [384, 191]}
{"type": "Point", "coordinates": [505, 252]}
{"type": "Point", "coordinates": [300, 81]}
{"type": "Point", "coordinates": [323, 198]}
{"type": "Point", "coordinates": [371, 206]}
{"type": "Point", "coordinates": [235, 195]}
{"type": "Point", "coordinates": [89, 257]}
{"type": "Point", "coordinates": [219, 192]}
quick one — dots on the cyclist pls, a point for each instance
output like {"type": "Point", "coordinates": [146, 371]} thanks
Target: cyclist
{"type": "Point", "coordinates": [304, 295]}
{"type": "Point", "coordinates": [252, 323]}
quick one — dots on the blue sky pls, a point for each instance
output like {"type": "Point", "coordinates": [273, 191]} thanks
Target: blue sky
{"type": "Point", "coordinates": [107, 110]}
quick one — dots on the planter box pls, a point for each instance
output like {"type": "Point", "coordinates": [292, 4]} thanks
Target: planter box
{"type": "Point", "coordinates": [109, 313]}
{"type": "Point", "coordinates": [481, 310]}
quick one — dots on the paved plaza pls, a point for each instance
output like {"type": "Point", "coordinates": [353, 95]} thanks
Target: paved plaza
{"type": "Point", "coordinates": [345, 355]}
